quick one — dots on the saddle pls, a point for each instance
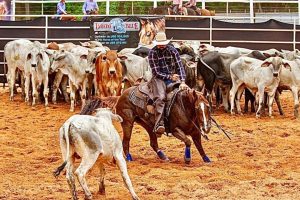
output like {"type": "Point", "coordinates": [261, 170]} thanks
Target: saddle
{"type": "Point", "coordinates": [142, 97]}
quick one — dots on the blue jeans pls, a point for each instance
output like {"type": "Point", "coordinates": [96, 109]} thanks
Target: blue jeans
{"type": "Point", "coordinates": [168, 82]}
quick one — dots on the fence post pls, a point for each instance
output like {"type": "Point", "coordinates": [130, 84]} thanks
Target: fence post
{"type": "Point", "coordinates": [155, 4]}
{"type": "Point", "coordinates": [203, 4]}
{"type": "Point", "coordinates": [251, 12]}
{"type": "Point", "coordinates": [294, 35]}
{"type": "Point", "coordinates": [210, 30]}
{"type": "Point", "coordinates": [46, 29]}
{"type": "Point", "coordinates": [107, 7]}
{"type": "Point", "coordinates": [299, 12]}
{"type": "Point", "coordinates": [42, 8]}
{"type": "Point", "coordinates": [132, 8]}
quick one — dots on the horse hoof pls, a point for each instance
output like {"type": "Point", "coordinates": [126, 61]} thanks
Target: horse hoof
{"type": "Point", "coordinates": [206, 159]}
{"type": "Point", "coordinates": [187, 155]}
{"type": "Point", "coordinates": [88, 197]}
{"type": "Point", "coordinates": [162, 156]}
{"type": "Point", "coordinates": [128, 157]}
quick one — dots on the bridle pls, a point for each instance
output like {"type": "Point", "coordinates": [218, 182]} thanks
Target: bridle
{"type": "Point", "coordinates": [192, 120]}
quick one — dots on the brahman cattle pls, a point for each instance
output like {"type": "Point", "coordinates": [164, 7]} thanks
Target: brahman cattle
{"type": "Point", "coordinates": [258, 76]}
{"type": "Point", "coordinates": [15, 53]}
{"type": "Point", "coordinates": [95, 140]}
{"type": "Point", "coordinates": [74, 66]}
{"type": "Point", "coordinates": [109, 74]}
{"type": "Point", "coordinates": [34, 63]}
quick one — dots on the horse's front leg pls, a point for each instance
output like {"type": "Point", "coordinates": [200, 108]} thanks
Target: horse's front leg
{"type": "Point", "coordinates": [197, 141]}
{"type": "Point", "coordinates": [127, 130]}
{"type": "Point", "coordinates": [179, 134]}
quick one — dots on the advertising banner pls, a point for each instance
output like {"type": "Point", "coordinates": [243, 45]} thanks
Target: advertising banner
{"type": "Point", "coordinates": [116, 32]}
{"type": "Point", "coordinates": [125, 32]}
{"type": "Point", "coordinates": [5, 9]}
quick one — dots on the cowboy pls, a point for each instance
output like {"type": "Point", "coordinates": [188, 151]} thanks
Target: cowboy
{"type": "Point", "coordinates": [61, 8]}
{"type": "Point", "coordinates": [191, 4]}
{"type": "Point", "coordinates": [176, 5]}
{"type": "Point", "coordinates": [166, 68]}
{"type": "Point", "coordinates": [89, 7]}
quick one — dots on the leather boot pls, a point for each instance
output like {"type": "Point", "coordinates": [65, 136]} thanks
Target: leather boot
{"type": "Point", "coordinates": [159, 127]}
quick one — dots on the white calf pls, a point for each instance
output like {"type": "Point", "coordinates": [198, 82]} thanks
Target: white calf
{"type": "Point", "coordinates": [93, 138]}
{"type": "Point", "coordinates": [290, 78]}
{"type": "Point", "coordinates": [74, 66]}
{"type": "Point", "coordinates": [257, 75]}
{"type": "Point", "coordinates": [37, 65]}
{"type": "Point", "coordinates": [15, 53]}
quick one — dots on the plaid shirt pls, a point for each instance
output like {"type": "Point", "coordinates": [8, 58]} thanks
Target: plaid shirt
{"type": "Point", "coordinates": [165, 62]}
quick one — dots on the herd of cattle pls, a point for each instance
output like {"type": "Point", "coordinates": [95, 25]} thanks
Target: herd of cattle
{"type": "Point", "coordinates": [93, 69]}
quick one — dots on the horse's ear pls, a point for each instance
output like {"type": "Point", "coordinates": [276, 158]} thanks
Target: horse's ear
{"type": "Point", "coordinates": [192, 94]}
{"type": "Point", "coordinates": [203, 90]}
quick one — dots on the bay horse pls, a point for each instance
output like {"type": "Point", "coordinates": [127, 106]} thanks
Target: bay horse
{"type": "Point", "coordinates": [189, 115]}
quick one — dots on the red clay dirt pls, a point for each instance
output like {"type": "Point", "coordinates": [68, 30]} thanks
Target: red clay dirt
{"type": "Point", "coordinates": [260, 162]}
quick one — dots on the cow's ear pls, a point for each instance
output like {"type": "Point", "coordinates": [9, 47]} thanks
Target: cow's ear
{"type": "Point", "coordinates": [287, 66]}
{"type": "Point", "coordinates": [83, 56]}
{"type": "Point", "coordinates": [50, 52]}
{"type": "Point", "coordinates": [122, 57]}
{"type": "Point", "coordinates": [116, 117]}
{"type": "Point", "coordinates": [60, 57]}
{"type": "Point", "coordinates": [29, 56]}
{"type": "Point", "coordinates": [266, 64]}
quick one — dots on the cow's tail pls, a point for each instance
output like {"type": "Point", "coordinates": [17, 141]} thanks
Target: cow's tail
{"type": "Point", "coordinates": [66, 129]}
{"type": "Point", "coordinates": [4, 68]}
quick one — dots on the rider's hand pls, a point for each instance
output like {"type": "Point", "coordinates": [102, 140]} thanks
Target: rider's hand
{"type": "Point", "coordinates": [183, 86]}
{"type": "Point", "coordinates": [175, 77]}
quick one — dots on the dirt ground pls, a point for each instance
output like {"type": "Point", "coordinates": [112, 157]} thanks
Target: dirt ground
{"type": "Point", "coordinates": [260, 162]}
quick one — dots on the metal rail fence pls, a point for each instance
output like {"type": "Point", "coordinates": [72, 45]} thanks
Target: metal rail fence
{"type": "Point", "coordinates": [217, 31]}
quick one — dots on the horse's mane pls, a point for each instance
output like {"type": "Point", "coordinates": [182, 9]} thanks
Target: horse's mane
{"type": "Point", "coordinates": [104, 102]}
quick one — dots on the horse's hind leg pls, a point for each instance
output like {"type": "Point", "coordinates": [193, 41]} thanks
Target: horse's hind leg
{"type": "Point", "coordinates": [179, 134]}
{"type": "Point", "coordinates": [153, 142]}
{"type": "Point", "coordinates": [197, 141]}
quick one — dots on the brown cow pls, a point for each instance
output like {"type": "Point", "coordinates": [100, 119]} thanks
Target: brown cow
{"type": "Point", "coordinates": [109, 74]}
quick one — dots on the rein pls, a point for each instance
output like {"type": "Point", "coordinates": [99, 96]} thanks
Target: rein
{"type": "Point", "coordinates": [220, 128]}
{"type": "Point", "coordinates": [184, 110]}
{"type": "Point", "coordinates": [226, 133]}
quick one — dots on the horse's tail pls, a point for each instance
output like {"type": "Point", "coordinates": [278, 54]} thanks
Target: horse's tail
{"type": "Point", "coordinates": [104, 102]}
{"type": "Point", "coordinates": [90, 106]}
{"type": "Point", "coordinates": [212, 12]}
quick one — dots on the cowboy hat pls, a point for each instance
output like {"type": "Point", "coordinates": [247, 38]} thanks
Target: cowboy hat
{"type": "Point", "coordinates": [161, 39]}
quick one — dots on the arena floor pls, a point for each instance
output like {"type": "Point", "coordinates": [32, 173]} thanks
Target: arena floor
{"type": "Point", "coordinates": [260, 162]}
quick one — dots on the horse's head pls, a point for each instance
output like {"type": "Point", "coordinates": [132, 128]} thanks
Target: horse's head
{"type": "Point", "coordinates": [202, 109]}
{"type": "Point", "coordinates": [147, 32]}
